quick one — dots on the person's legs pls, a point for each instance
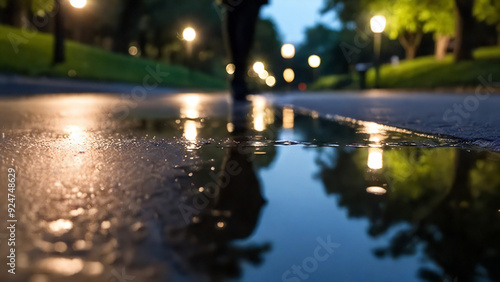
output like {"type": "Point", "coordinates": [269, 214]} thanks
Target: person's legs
{"type": "Point", "coordinates": [241, 17]}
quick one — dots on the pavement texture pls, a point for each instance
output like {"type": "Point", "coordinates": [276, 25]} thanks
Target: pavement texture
{"type": "Point", "coordinates": [104, 181]}
{"type": "Point", "coordinates": [474, 117]}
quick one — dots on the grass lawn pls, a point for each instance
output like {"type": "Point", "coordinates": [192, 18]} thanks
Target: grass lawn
{"type": "Point", "coordinates": [426, 72]}
{"type": "Point", "coordinates": [34, 55]}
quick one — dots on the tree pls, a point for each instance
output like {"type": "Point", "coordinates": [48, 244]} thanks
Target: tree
{"type": "Point", "coordinates": [464, 30]}
{"type": "Point", "coordinates": [489, 11]}
{"type": "Point", "coordinates": [437, 202]}
{"type": "Point", "coordinates": [403, 22]}
{"type": "Point", "coordinates": [439, 18]}
{"type": "Point", "coordinates": [403, 18]}
{"type": "Point", "coordinates": [16, 12]}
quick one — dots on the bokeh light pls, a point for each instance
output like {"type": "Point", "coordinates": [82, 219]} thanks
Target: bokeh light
{"type": "Point", "coordinates": [132, 50]}
{"type": "Point", "coordinates": [270, 81]}
{"type": "Point", "coordinates": [230, 68]}
{"type": "Point", "coordinates": [377, 24]}
{"type": "Point", "coordinates": [288, 51]}
{"type": "Point", "coordinates": [289, 75]}
{"type": "Point", "coordinates": [189, 34]}
{"type": "Point", "coordinates": [314, 61]}
{"type": "Point", "coordinates": [258, 67]}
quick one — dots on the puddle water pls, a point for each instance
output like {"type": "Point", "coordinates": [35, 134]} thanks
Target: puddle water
{"type": "Point", "coordinates": [267, 194]}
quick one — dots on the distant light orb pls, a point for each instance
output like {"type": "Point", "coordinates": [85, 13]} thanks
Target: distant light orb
{"type": "Point", "coordinates": [302, 86]}
{"type": "Point", "coordinates": [230, 68]}
{"type": "Point", "coordinates": [288, 51]}
{"type": "Point", "coordinates": [132, 50]}
{"type": "Point", "coordinates": [377, 24]}
{"type": "Point", "coordinates": [258, 67]}
{"type": "Point", "coordinates": [270, 81]}
{"type": "Point", "coordinates": [376, 190]}
{"type": "Point", "coordinates": [263, 74]}
{"type": "Point", "coordinates": [289, 75]}
{"type": "Point", "coordinates": [78, 3]}
{"type": "Point", "coordinates": [314, 61]}
{"type": "Point", "coordinates": [189, 34]}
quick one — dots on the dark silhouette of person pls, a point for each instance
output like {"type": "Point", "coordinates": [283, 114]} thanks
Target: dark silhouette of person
{"type": "Point", "coordinates": [233, 213]}
{"type": "Point", "coordinates": [239, 28]}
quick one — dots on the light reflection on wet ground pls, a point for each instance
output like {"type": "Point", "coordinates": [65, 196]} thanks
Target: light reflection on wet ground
{"type": "Point", "coordinates": [182, 188]}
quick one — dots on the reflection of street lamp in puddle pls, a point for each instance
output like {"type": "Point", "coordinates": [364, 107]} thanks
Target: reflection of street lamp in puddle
{"type": "Point", "coordinates": [288, 118]}
{"type": "Point", "coordinates": [190, 130]}
{"type": "Point", "coordinates": [260, 119]}
{"type": "Point", "coordinates": [190, 106]}
{"type": "Point", "coordinates": [375, 152]}
{"type": "Point", "coordinates": [190, 111]}
{"type": "Point", "coordinates": [375, 158]}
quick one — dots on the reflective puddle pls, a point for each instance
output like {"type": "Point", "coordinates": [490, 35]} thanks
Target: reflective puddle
{"type": "Point", "coordinates": [182, 189]}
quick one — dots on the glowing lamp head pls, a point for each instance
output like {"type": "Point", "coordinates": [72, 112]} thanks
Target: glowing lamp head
{"type": "Point", "coordinates": [288, 51]}
{"type": "Point", "coordinates": [314, 61]}
{"type": "Point", "coordinates": [78, 3]}
{"type": "Point", "coordinates": [258, 67]}
{"type": "Point", "coordinates": [377, 24]}
{"type": "Point", "coordinates": [189, 34]}
{"type": "Point", "coordinates": [230, 69]}
{"type": "Point", "coordinates": [289, 75]}
{"type": "Point", "coordinates": [270, 81]}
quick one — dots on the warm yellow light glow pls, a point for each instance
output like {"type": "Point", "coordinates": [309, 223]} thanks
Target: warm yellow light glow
{"type": "Point", "coordinates": [288, 118]}
{"type": "Point", "coordinates": [60, 226]}
{"type": "Point", "coordinates": [376, 190]}
{"type": "Point", "coordinates": [230, 68]}
{"type": "Point", "coordinates": [271, 81]}
{"type": "Point", "coordinates": [190, 106]}
{"type": "Point", "coordinates": [314, 61]}
{"type": "Point", "coordinates": [190, 130]}
{"type": "Point", "coordinates": [375, 158]}
{"type": "Point", "coordinates": [263, 74]}
{"type": "Point", "coordinates": [377, 24]}
{"type": "Point", "coordinates": [61, 266]}
{"type": "Point", "coordinates": [258, 67]}
{"type": "Point", "coordinates": [288, 51]}
{"type": "Point", "coordinates": [78, 3]}
{"type": "Point", "coordinates": [259, 113]}
{"type": "Point", "coordinates": [289, 75]}
{"type": "Point", "coordinates": [189, 34]}
{"type": "Point", "coordinates": [132, 50]}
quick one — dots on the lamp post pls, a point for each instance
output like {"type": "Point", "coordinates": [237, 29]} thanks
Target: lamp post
{"type": "Point", "coordinates": [377, 24]}
{"type": "Point", "coordinates": [189, 35]}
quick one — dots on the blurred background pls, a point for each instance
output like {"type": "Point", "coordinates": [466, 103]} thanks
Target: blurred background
{"type": "Point", "coordinates": [300, 45]}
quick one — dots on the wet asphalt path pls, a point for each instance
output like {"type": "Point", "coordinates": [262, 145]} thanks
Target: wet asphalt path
{"type": "Point", "coordinates": [471, 116]}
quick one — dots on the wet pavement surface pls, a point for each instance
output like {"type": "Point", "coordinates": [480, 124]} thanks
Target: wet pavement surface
{"type": "Point", "coordinates": [186, 188]}
{"type": "Point", "coordinates": [471, 116]}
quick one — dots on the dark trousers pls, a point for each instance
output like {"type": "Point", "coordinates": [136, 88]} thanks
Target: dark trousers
{"type": "Point", "coordinates": [240, 19]}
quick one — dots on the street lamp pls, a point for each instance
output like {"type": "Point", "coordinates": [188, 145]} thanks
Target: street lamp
{"type": "Point", "coordinates": [289, 75]}
{"type": "Point", "coordinates": [377, 24]}
{"type": "Point", "coordinates": [288, 51]}
{"type": "Point", "coordinates": [78, 3]}
{"type": "Point", "coordinates": [314, 61]}
{"type": "Point", "coordinates": [271, 81]}
{"type": "Point", "coordinates": [189, 34]}
{"type": "Point", "coordinates": [258, 67]}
